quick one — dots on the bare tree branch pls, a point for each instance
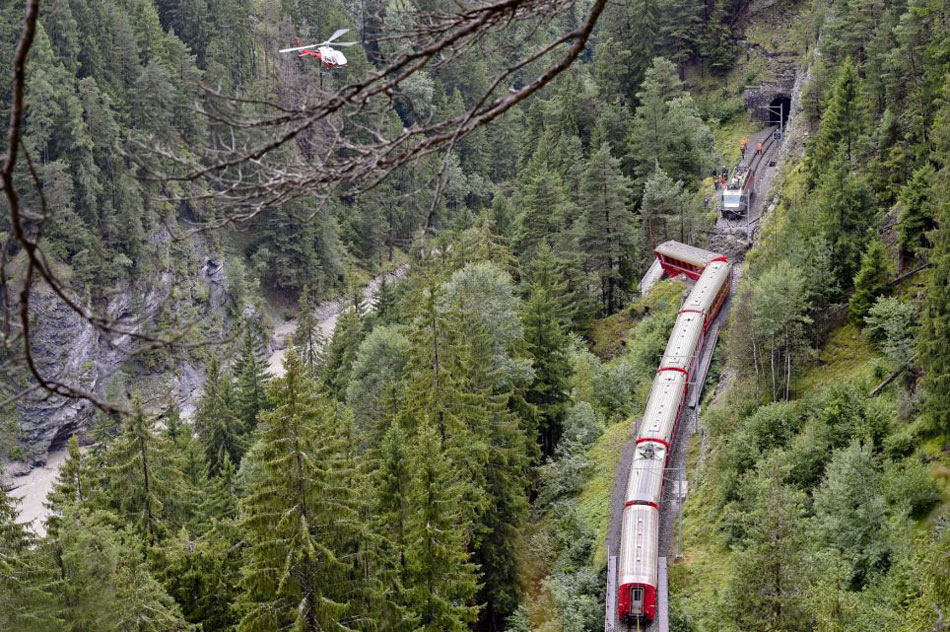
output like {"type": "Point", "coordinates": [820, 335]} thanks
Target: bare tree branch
{"type": "Point", "coordinates": [265, 153]}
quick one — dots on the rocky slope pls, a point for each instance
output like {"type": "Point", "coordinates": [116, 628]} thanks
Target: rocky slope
{"type": "Point", "coordinates": [31, 486]}
{"type": "Point", "coordinates": [193, 288]}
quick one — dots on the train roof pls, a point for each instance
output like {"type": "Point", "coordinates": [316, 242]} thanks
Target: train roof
{"type": "Point", "coordinates": [687, 253]}
{"type": "Point", "coordinates": [638, 551]}
{"type": "Point", "coordinates": [666, 395]}
{"type": "Point", "coordinates": [682, 347]}
{"type": "Point", "coordinates": [645, 482]}
{"type": "Point", "coordinates": [703, 294]}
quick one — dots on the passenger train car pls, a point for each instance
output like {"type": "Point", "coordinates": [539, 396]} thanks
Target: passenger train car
{"type": "Point", "coordinates": [676, 258]}
{"type": "Point", "coordinates": [640, 528]}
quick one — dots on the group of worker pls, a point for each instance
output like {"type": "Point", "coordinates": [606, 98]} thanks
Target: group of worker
{"type": "Point", "coordinates": [745, 144]}
{"type": "Point", "coordinates": [720, 177]}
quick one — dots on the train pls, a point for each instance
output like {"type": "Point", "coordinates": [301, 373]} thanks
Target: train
{"type": "Point", "coordinates": [737, 195]}
{"type": "Point", "coordinates": [640, 526]}
{"type": "Point", "coordinates": [738, 191]}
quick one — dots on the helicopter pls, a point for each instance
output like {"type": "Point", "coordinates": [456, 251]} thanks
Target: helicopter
{"type": "Point", "coordinates": [328, 56]}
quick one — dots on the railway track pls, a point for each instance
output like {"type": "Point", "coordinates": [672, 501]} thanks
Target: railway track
{"type": "Point", "coordinates": [738, 230]}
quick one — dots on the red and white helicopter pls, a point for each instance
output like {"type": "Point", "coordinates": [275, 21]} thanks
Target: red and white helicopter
{"type": "Point", "coordinates": [328, 56]}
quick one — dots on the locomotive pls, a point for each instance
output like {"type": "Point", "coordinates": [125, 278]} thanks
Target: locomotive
{"type": "Point", "coordinates": [739, 191]}
{"type": "Point", "coordinates": [737, 196]}
{"type": "Point", "coordinates": [640, 527]}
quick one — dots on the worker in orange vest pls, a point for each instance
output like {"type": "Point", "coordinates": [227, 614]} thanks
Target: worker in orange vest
{"type": "Point", "coordinates": [744, 145]}
{"type": "Point", "coordinates": [758, 148]}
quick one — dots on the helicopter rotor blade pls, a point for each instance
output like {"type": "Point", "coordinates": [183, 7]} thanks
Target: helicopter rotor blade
{"type": "Point", "coordinates": [337, 34]}
{"type": "Point", "coordinates": [341, 44]}
{"type": "Point", "coordinates": [296, 48]}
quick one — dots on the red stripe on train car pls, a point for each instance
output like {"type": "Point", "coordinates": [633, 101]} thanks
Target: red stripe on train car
{"type": "Point", "coordinates": [630, 503]}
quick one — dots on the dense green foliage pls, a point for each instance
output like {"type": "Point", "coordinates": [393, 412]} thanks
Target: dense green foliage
{"type": "Point", "coordinates": [821, 504]}
{"type": "Point", "coordinates": [421, 469]}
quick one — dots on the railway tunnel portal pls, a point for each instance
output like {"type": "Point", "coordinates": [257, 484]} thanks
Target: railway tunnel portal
{"type": "Point", "coordinates": [770, 102]}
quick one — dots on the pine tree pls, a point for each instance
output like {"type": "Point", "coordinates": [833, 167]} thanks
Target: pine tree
{"type": "Point", "coordinates": [871, 280]}
{"type": "Point", "coordinates": [608, 227]}
{"type": "Point", "coordinates": [391, 515]}
{"type": "Point", "coordinates": [341, 352]}
{"type": "Point", "coordinates": [394, 478]}
{"type": "Point", "coordinates": [202, 573]}
{"type": "Point", "coordinates": [385, 303]}
{"type": "Point", "coordinates": [545, 338]}
{"type": "Point", "coordinates": [916, 217]}
{"type": "Point", "coordinates": [665, 204]}
{"type": "Point", "coordinates": [175, 429]}
{"type": "Point", "coordinates": [764, 592]}
{"type": "Point", "coordinates": [479, 244]}
{"type": "Point", "coordinates": [221, 500]}
{"type": "Point", "coordinates": [299, 515]}
{"type": "Point", "coordinates": [680, 27]}
{"type": "Point", "coordinates": [250, 387]}
{"type": "Point", "coordinates": [22, 597]}
{"type": "Point", "coordinates": [145, 486]}
{"type": "Point", "coordinates": [543, 200]}
{"type": "Point", "coordinates": [71, 487]}
{"type": "Point", "coordinates": [502, 215]}
{"type": "Point", "coordinates": [220, 430]}
{"type": "Point", "coordinates": [442, 579]}
{"type": "Point", "coordinates": [719, 47]}
{"type": "Point", "coordinates": [850, 513]}
{"type": "Point", "coordinates": [650, 133]}
{"type": "Point", "coordinates": [843, 201]}
{"type": "Point", "coordinates": [483, 330]}
{"type": "Point", "coordinates": [644, 19]}
{"type": "Point", "coordinates": [308, 337]}
{"type": "Point", "coordinates": [102, 579]}
{"type": "Point", "coordinates": [841, 124]}
{"type": "Point", "coordinates": [933, 349]}
{"type": "Point", "coordinates": [194, 466]}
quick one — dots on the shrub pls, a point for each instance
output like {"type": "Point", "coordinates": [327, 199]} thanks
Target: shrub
{"type": "Point", "coordinates": [891, 324]}
{"type": "Point", "coordinates": [909, 488]}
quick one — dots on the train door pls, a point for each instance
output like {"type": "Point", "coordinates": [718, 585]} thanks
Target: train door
{"type": "Point", "coordinates": [636, 601]}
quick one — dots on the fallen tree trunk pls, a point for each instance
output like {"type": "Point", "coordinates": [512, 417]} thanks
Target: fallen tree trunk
{"type": "Point", "coordinates": [893, 376]}
{"type": "Point", "coordinates": [908, 274]}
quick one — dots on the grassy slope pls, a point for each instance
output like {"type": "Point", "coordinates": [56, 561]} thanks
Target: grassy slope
{"type": "Point", "coordinates": [699, 578]}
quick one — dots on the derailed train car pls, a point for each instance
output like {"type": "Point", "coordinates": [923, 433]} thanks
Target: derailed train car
{"type": "Point", "coordinates": [640, 529]}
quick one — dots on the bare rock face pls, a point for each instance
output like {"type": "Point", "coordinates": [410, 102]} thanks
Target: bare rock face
{"type": "Point", "coordinates": [63, 344]}
{"type": "Point", "coordinates": [67, 346]}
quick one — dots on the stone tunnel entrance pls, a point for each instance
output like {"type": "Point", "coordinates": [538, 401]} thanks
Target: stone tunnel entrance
{"type": "Point", "coordinates": [779, 109]}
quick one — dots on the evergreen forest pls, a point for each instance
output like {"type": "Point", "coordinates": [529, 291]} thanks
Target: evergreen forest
{"type": "Point", "coordinates": [183, 204]}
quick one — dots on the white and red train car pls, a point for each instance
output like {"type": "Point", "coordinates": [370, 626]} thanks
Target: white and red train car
{"type": "Point", "coordinates": [676, 258]}
{"type": "Point", "coordinates": [640, 529]}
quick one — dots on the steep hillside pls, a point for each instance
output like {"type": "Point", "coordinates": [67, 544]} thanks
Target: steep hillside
{"type": "Point", "coordinates": [821, 497]}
